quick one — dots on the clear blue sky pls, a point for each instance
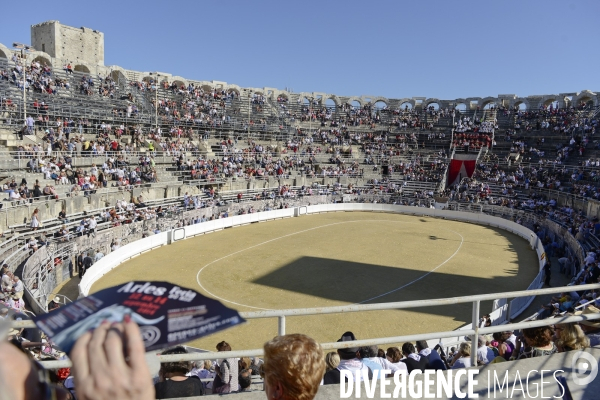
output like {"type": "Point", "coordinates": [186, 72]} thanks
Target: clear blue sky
{"type": "Point", "coordinates": [444, 49]}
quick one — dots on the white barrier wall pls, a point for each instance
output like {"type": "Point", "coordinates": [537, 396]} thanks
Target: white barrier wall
{"type": "Point", "coordinates": [117, 257]}
{"type": "Point", "coordinates": [114, 259]}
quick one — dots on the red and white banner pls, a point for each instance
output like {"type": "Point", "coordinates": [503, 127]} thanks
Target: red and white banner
{"type": "Point", "coordinates": [461, 166]}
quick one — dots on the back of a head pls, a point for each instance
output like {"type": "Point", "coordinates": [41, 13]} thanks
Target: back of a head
{"type": "Point", "coordinates": [245, 379]}
{"type": "Point", "coordinates": [368, 351]}
{"type": "Point", "coordinates": [465, 349]}
{"type": "Point", "coordinates": [408, 348]}
{"type": "Point", "coordinates": [297, 363]}
{"type": "Point", "coordinates": [394, 354]}
{"type": "Point", "coordinates": [481, 341]}
{"type": "Point", "coordinates": [421, 345]}
{"type": "Point", "coordinates": [223, 346]}
{"type": "Point", "coordinates": [177, 366]}
{"type": "Point", "coordinates": [332, 360]}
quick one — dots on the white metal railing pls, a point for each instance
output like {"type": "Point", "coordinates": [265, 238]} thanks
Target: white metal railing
{"type": "Point", "coordinates": [473, 332]}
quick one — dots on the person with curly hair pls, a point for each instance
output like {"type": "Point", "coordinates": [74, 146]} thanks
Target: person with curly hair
{"type": "Point", "coordinates": [538, 342]}
{"type": "Point", "coordinates": [332, 360]}
{"type": "Point", "coordinates": [570, 337]}
{"type": "Point", "coordinates": [293, 367]}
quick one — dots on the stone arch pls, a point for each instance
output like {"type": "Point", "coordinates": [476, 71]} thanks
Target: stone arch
{"type": "Point", "coordinates": [380, 104]}
{"type": "Point", "coordinates": [551, 100]}
{"type": "Point", "coordinates": [431, 102]}
{"type": "Point", "coordinates": [282, 97]}
{"type": "Point", "coordinates": [234, 90]}
{"type": "Point", "coordinates": [42, 60]}
{"type": "Point", "coordinates": [488, 102]}
{"type": "Point", "coordinates": [461, 106]}
{"type": "Point", "coordinates": [406, 105]}
{"type": "Point", "coordinates": [331, 104]}
{"type": "Point", "coordinates": [6, 51]}
{"type": "Point", "coordinates": [81, 68]}
{"type": "Point", "coordinates": [355, 102]}
{"type": "Point", "coordinates": [523, 104]}
{"type": "Point", "coordinates": [586, 97]}
{"type": "Point", "coordinates": [207, 88]}
{"type": "Point", "coordinates": [118, 76]}
{"type": "Point", "coordinates": [178, 82]}
{"type": "Point", "coordinates": [435, 103]}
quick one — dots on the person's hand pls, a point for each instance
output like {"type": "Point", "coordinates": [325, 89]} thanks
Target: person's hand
{"type": "Point", "coordinates": [109, 363]}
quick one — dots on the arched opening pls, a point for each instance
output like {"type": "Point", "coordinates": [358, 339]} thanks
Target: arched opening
{"type": "Point", "coordinates": [380, 105]}
{"type": "Point", "coordinates": [406, 106]}
{"type": "Point", "coordinates": [305, 101]}
{"type": "Point", "coordinates": [42, 60]}
{"type": "Point", "coordinates": [235, 92]}
{"type": "Point", "coordinates": [2, 54]}
{"type": "Point", "coordinates": [585, 102]}
{"type": "Point", "coordinates": [356, 104]}
{"type": "Point", "coordinates": [330, 104]}
{"type": "Point", "coordinates": [568, 101]}
{"type": "Point", "coordinates": [462, 107]}
{"type": "Point", "coordinates": [433, 106]}
{"type": "Point", "coordinates": [178, 83]}
{"type": "Point", "coordinates": [206, 88]}
{"type": "Point", "coordinates": [282, 98]}
{"type": "Point", "coordinates": [551, 103]}
{"type": "Point", "coordinates": [522, 106]}
{"type": "Point", "coordinates": [489, 105]}
{"type": "Point", "coordinates": [118, 77]}
{"type": "Point", "coordinates": [81, 68]}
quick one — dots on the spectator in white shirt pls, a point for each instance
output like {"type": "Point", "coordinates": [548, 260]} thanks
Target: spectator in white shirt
{"type": "Point", "coordinates": [18, 287]}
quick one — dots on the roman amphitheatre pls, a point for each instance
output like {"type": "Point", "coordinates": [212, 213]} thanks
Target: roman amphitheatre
{"type": "Point", "coordinates": [335, 259]}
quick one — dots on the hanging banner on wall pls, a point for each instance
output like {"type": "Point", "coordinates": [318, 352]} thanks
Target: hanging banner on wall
{"type": "Point", "coordinates": [461, 166]}
{"type": "Point", "coordinates": [166, 313]}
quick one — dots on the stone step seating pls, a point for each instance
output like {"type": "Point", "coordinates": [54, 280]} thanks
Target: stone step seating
{"type": "Point", "coordinates": [408, 187]}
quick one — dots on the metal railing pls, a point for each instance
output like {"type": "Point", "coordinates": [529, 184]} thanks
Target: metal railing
{"type": "Point", "coordinates": [474, 332]}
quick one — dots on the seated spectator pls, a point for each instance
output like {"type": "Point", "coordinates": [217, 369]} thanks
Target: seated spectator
{"type": "Point", "coordinates": [293, 367]}
{"type": "Point", "coordinates": [349, 361]}
{"type": "Point", "coordinates": [434, 358]}
{"type": "Point", "coordinates": [462, 359]}
{"type": "Point", "coordinates": [225, 372]}
{"type": "Point", "coordinates": [54, 304]}
{"type": "Point", "coordinates": [505, 346]}
{"type": "Point", "coordinates": [394, 357]}
{"type": "Point", "coordinates": [536, 342]}
{"type": "Point", "coordinates": [590, 328]}
{"type": "Point", "coordinates": [570, 337]}
{"type": "Point", "coordinates": [332, 360]}
{"type": "Point", "coordinates": [484, 353]}
{"type": "Point", "coordinates": [412, 359]}
{"type": "Point", "coordinates": [173, 381]}
{"type": "Point", "coordinates": [245, 380]}
{"type": "Point", "coordinates": [18, 287]}
{"type": "Point", "coordinates": [368, 355]}
{"type": "Point", "coordinates": [206, 371]}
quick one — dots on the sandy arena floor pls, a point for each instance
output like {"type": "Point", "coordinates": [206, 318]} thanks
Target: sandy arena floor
{"type": "Point", "coordinates": [336, 259]}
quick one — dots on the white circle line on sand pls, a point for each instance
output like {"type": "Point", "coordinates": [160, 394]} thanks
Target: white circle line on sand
{"type": "Point", "coordinates": [311, 229]}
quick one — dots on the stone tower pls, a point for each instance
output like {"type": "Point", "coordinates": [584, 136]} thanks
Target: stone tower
{"type": "Point", "coordinates": [83, 46]}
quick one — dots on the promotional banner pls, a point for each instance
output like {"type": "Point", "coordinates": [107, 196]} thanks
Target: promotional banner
{"type": "Point", "coordinates": [167, 314]}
